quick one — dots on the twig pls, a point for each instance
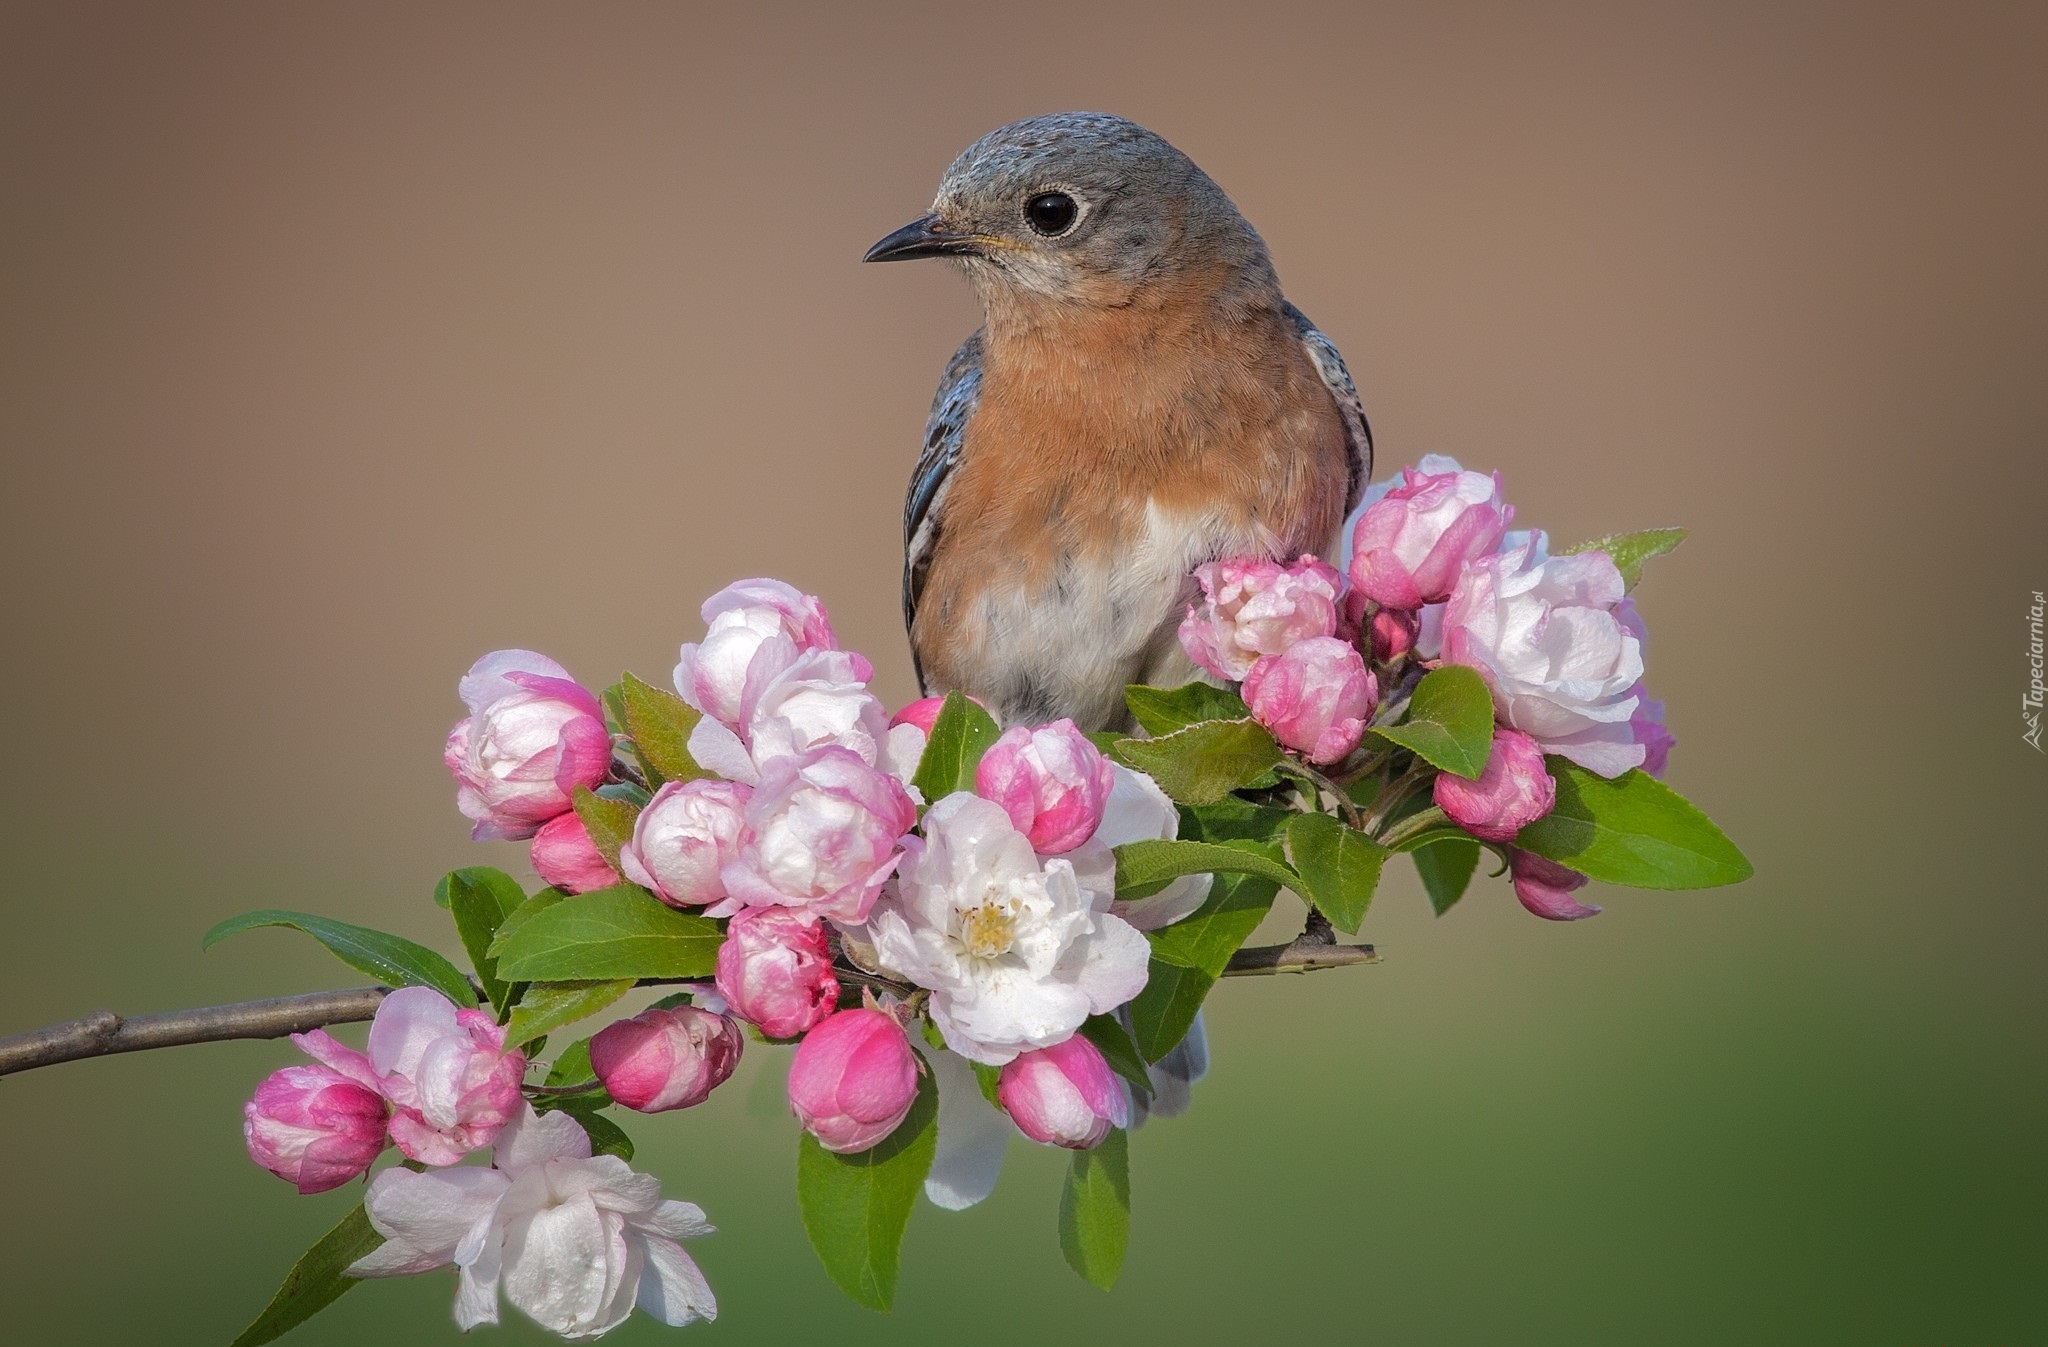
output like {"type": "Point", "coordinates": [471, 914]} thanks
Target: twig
{"type": "Point", "coordinates": [103, 1032]}
{"type": "Point", "coordinates": [1301, 956]}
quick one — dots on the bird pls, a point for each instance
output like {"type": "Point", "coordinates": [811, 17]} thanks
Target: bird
{"type": "Point", "coordinates": [1140, 398]}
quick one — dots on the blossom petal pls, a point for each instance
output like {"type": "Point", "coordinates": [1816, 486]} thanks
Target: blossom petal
{"type": "Point", "coordinates": [556, 1264]}
{"type": "Point", "coordinates": [972, 1137]}
{"type": "Point", "coordinates": [676, 1292]}
{"type": "Point", "coordinates": [424, 1217]}
{"type": "Point", "coordinates": [534, 1138]}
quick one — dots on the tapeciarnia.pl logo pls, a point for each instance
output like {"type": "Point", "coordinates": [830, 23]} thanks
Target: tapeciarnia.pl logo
{"type": "Point", "coordinates": [2030, 705]}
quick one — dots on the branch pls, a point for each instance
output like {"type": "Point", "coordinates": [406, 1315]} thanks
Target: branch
{"type": "Point", "coordinates": [1302, 956]}
{"type": "Point", "coordinates": [103, 1032]}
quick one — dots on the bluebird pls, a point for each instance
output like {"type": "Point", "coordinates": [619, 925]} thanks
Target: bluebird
{"type": "Point", "coordinates": [1140, 399]}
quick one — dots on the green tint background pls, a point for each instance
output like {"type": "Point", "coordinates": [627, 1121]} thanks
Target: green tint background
{"type": "Point", "coordinates": [342, 343]}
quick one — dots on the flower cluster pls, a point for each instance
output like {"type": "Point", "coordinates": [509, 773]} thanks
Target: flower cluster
{"type": "Point", "coordinates": [1433, 576]}
{"type": "Point", "coordinates": [959, 927]}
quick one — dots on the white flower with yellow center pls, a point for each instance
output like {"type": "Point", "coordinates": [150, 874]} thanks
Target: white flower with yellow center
{"type": "Point", "coordinates": [1015, 952]}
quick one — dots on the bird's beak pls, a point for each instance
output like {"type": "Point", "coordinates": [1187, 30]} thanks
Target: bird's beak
{"type": "Point", "coordinates": [923, 238]}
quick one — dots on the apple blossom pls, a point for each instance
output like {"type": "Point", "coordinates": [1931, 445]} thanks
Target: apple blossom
{"type": "Point", "coordinates": [1647, 727]}
{"type": "Point", "coordinates": [565, 857]}
{"type": "Point", "coordinates": [820, 698]}
{"type": "Point", "coordinates": [1315, 696]}
{"type": "Point", "coordinates": [755, 629]}
{"type": "Point", "coordinates": [1543, 633]}
{"type": "Point", "coordinates": [314, 1127]}
{"type": "Point", "coordinates": [775, 970]}
{"type": "Point", "coordinates": [666, 1058]}
{"type": "Point", "coordinates": [1392, 632]}
{"type": "Point", "coordinates": [821, 834]}
{"type": "Point", "coordinates": [531, 737]}
{"type": "Point", "coordinates": [973, 1134]}
{"type": "Point", "coordinates": [574, 1240]}
{"type": "Point", "coordinates": [853, 1079]}
{"type": "Point", "coordinates": [683, 839]}
{"type": "Point", "coordinates": [1064, 1095]}
{"type": "Point", "coordinates": [1252, 608]}
{"type": "Point", "coordinates": [1050, 780]}
{"type": "Point", "coordinates": [1137, 810]}
{"type": "Point", "coordinates": [1512, 792]}
{"type": "Point", "coordinates": [1014, 951]}
{"type": "Point", "coordinates": [447, 1072]}
{"type": "Point", "coordinates": [1407, 546]}
{"type": "Point", "coordinates": [1545, 888]}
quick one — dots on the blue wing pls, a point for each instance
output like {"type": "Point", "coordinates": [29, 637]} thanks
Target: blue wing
{"type": "Point", "coordinates": [1330, 365]}
{"type": "Point", "coordinates": [923, 508]}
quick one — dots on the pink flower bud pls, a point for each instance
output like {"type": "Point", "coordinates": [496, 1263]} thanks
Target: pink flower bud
{"type": "Point", "coordinates": [1064, 1095]}
{"type": "Point", "coordinates": [923, 713]}
{"type": "Point", "coordinates": [1546, 888]}
{"type": "Point", "coordinates": [532, 736]}
{"type": "Point", "coordinates": [314, 1127]}
{"type": "Point", "coordinates": [664, 1059]}
{"type": "Point", "coordinates": [565, 857]}
{"type": "Point", "coordinates": [821, 835]}
{"type": "Point", "coordinates": [853, 1080]}
{"type": "Point", "coordinates": [1514, 791]}
{"type": "Point", "coordinates": [1392, 632]}
{"type": "Point", "coordinates": [1647, 725]}
{"type": "Point", "coordinates": [681, 839]}
{"type": "Point", "coordinates": [1050, 780]}
{"type": "Point", "coordinates": [1409, 545]}
{"type": "Point", "coordinates": [1315, 697]}
{"type": "Point", "coordinates": [775, 968]}
{"type": "Point", "coordinates": [1253, 608]}
{"type": "Point", "coordinates": [756, 629]}
{"type": "Point", "coordinates": [446, 1071]}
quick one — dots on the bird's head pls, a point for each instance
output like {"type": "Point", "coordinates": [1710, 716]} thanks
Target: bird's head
{"type": "Point", "coordinates": [1082, 209]}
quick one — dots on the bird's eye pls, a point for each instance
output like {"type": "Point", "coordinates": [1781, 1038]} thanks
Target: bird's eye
{"type": "Point", "coordinates": [1051, 213]}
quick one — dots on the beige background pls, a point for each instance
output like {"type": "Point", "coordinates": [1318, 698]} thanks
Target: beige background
{"type": "Point", "coordinates": [342, 343]}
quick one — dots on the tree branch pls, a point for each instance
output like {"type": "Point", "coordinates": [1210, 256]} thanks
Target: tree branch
{"type": "Point", "coordinates": [103, 1032]}
{"type": "Point", "coordinates": [1301, 956]}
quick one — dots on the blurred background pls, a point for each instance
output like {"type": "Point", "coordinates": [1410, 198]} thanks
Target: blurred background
{"type": "Point", "coordinates": [342, 343]}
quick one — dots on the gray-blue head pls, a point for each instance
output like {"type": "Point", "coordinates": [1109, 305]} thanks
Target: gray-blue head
{"type": "Point", "coordinates": [1082, 208]}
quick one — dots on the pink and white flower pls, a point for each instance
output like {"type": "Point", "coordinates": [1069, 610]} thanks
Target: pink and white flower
{"type": "Point", "coordinates": [664, 1059]}
{"type": "Point", "coordinates": [533, 735]}
{"type": "Point", "coordinates": [821, 834]}
{"type": "Point", "coordinates": [573, 1240]}
{"type": "Point", "coordinates": [314, 1127]}
{"type": "Point", "coordinates": [1408, 546]}
{"type": "Point", "coordinates": [853, 1080]}
{"type": "Point", "coordinates": [775, 970]}
{"type": "Point", "coordinates": [1050, 780]}
{"type": "Point", "coordinates": [447, 1073]}
{"type": "Point", "coordinates": [1546, 888]}
{"type": "Point", "coordinates": [1316, 697]}
{"type": "Point", "coordinates": [756, 628]}
{"type": "Point", "coordinates": [566, 858]}
{"type": "Point", "coordinates": [1014, 951]}
{"type": "Point", "coordinates": [1251, 608]}
{"type": "Point", "coordinates": [1064, 1095]}
{"type": "Point", "coordinates": [1512, 792]}
{"type": "Point", "coordinates": [1543, 632]}
{"type": "Point", "coordinates": [1137, 810]}
{"type": "Point", "coordinates": [684, 838]}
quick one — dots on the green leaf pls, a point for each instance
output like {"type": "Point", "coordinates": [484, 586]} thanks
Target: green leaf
{"type": "Point", "coordinates": [1446, 868]}
{"type": "Point", "coordinates": [1163, 710]}
{"type": "Point", "coordinates": [547, 1006]}
{"type": "Point", "coordinates": [1203, 763]}
{"type": "Point", "coordinates": [1095, 1210]}
{"type": "Point", "coordinates": [1449, 723]}
{"type": "Point", "coordinates": [1188, 957]}
{"type": "Point", "coordinates": [1233, 820]}
{"type": "Point", "coordinates": [520, 915]}
{"type": "Point", "coordinates": [1630, 550]}
{"type": "Point", "coordinates": [609, 822]}
{"type": "Point", "coordinates": [1118, 1050]}
{"type": "Point", "coordinates": [315, 1281]}
{"type": "Point", "coordinates": [856, 1207]}
{"type": "Point", "coordinates": [606, 1136]}
{"type": "Point", "coordinates": [620, 932]}
{"type": "Point", "coordinates": [961, 734]}
{"type": "Point", "coordinates": [480, 898]}
{"type": "Point", "coordinates": [659, 723]}
{"type": "Point", "coordinates": [391, 959]}
{"type": "Point", "coordinates": [1339, 867]}
{"type": "Point", "coordinates": [1145, 867]}
{"type": "Point", "coordinates": [1632, 830]}
{"type": "Point", "coordinates": [573, 1066]}
{"type": "Point", "coordinates": [989, 1079]}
